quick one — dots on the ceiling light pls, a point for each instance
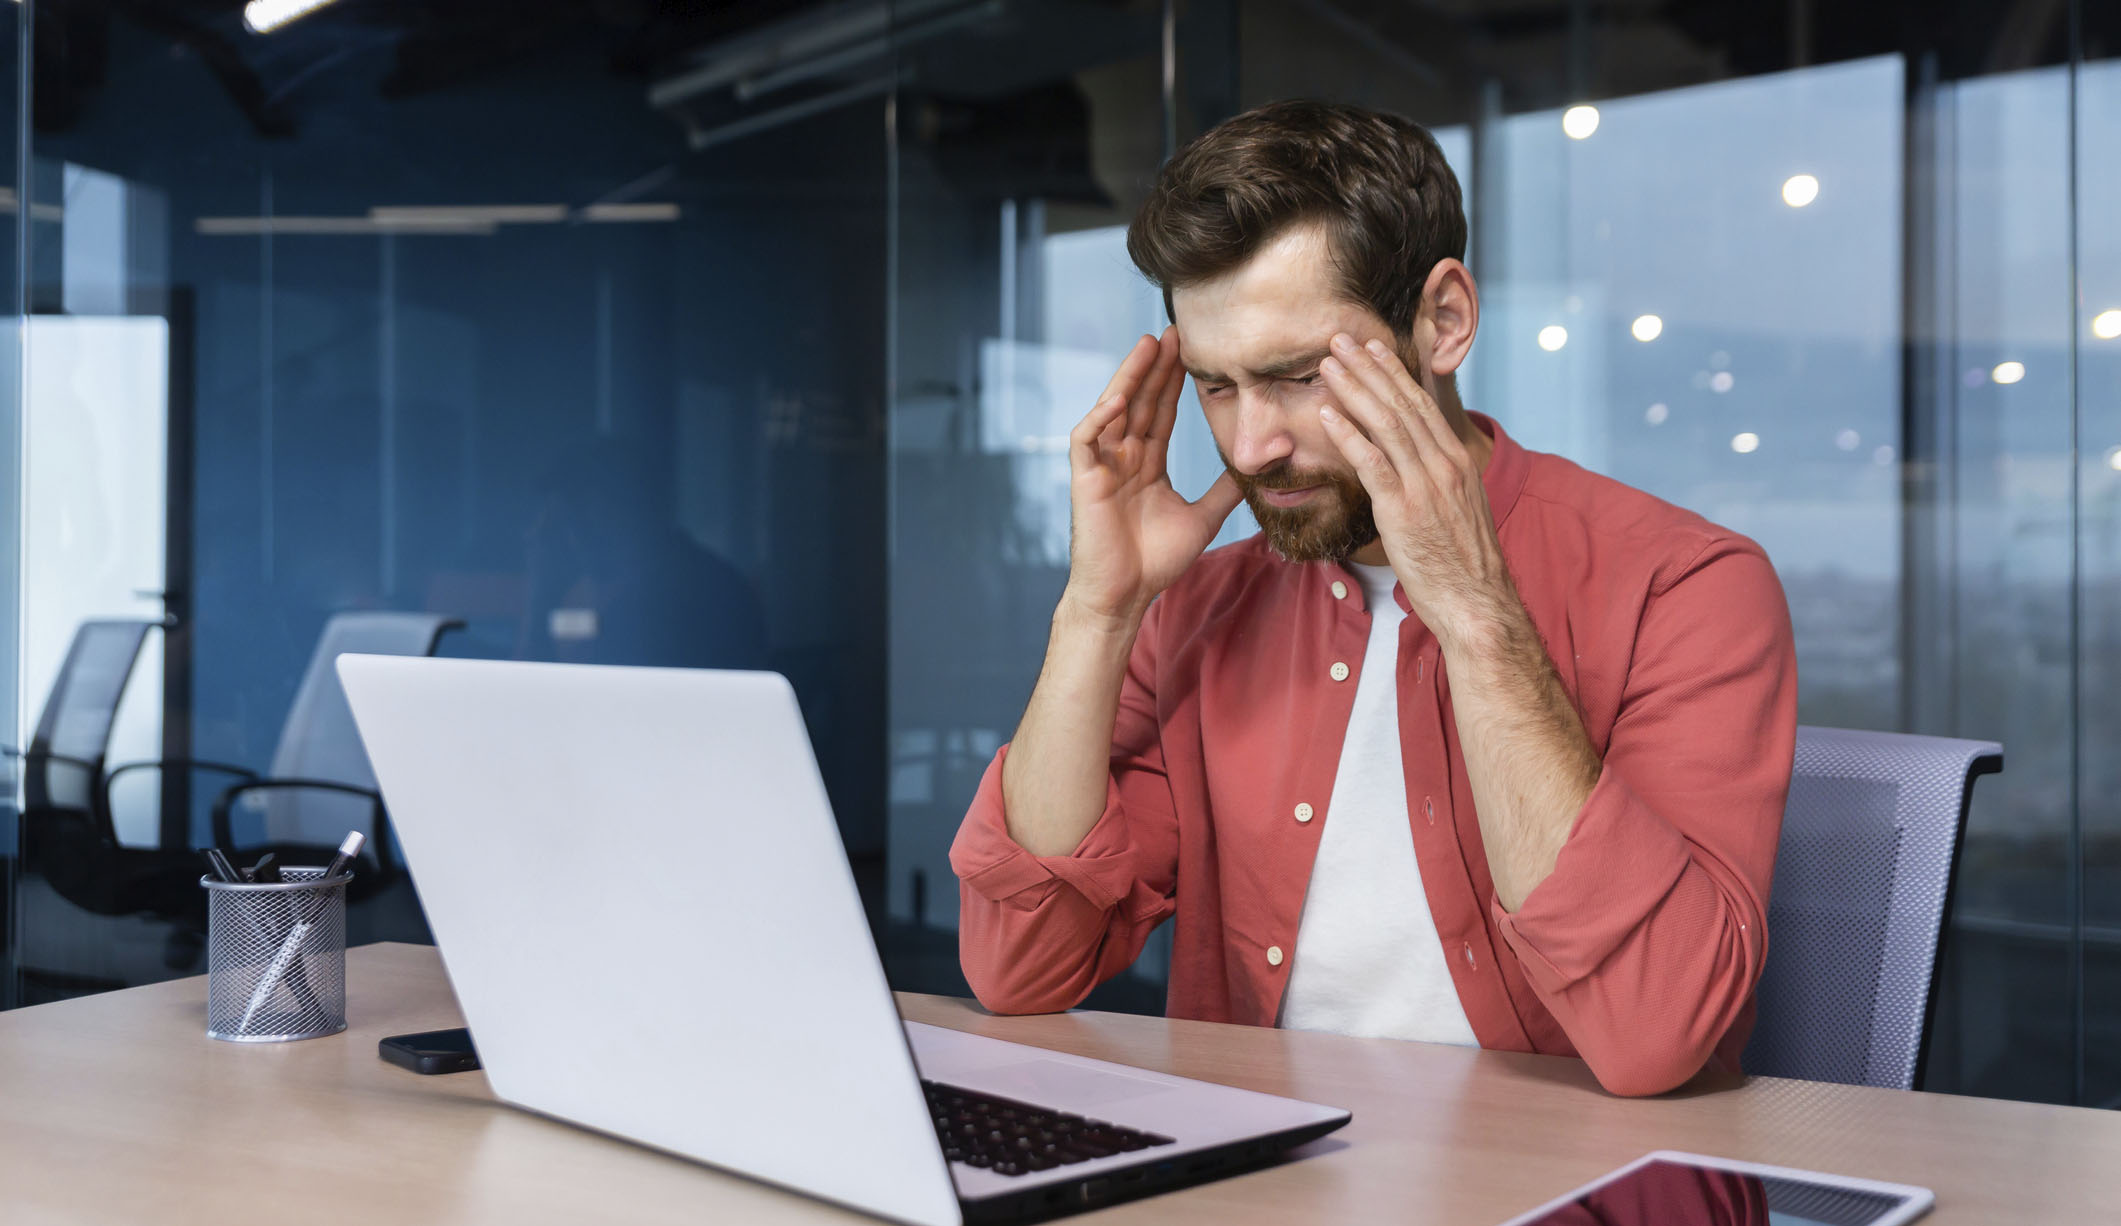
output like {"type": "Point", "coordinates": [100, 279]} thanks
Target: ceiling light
{"type": "Point", "coordinates": [1579, 121]}
{"type": "Point", "coordinates": [2106, 325]}
{"type": "Point", "coordinates": [1553, 337]}
{"type": "Point", "coordinates": [1721, 382]}
{"type": "Point", "coordinates": [1746, 443]}
{"type": "Point", "coordinates": [467, 214]}
{"type": "Point", "coordinates": [652, 211]}
{"type": "Point", "coordinates": [2113, 459]}
{"type": "Point", "coordinates": [265, 16]}
{"type": "Point", "coordinates": [1657, 413]}
{"type": "Point", "coordinates": [284, 224]}
{"type": "Point", "coordinates": [1647, 328]}
{"type": "Point", "coordinates": [1799, 190]}
{"type": "Point", "coordinates": [1848, 440]}
{"type": "Point", "coordinates": [2008, 372]}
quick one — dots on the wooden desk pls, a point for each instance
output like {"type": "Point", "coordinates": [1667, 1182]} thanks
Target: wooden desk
{"type": "Point", "coordinates": [118, 1109]}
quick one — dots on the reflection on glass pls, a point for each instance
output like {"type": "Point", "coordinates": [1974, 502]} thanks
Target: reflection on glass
{"type": "Point", "coordinates": [1014, 301]}
{"type": "Point", "coordinates": [563, 368]}
{"type": "Point", "coordinates": [1739, 407]}
{"type": "Point", "coordinates": [1665, 1193]}
{"type": "Point", "coordinates": [2098, 383]}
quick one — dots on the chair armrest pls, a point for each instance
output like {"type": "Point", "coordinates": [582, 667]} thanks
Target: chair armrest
{"type": "Point", "coordinates": [99, 818]}
{"type": "Point", "coordinates": [110, 779]}
{"type": "Point", "coordinates": [26, 754]}
{"type": "Point", "coordinates": [224, 838]}
{"type": "Point", "coordinates": [197, 764]}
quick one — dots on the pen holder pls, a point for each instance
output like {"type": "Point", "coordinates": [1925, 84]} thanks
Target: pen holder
{"type": "Point", "coordinates": [276, 957]}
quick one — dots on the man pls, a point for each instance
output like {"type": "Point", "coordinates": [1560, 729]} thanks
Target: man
{"type": "Point", "coordinates": [1468, 745]}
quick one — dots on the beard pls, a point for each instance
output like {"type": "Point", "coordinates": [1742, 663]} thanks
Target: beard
{"type": "Point", "coordinates": [1329, 528]}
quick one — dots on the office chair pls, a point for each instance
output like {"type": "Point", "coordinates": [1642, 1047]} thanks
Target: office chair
{"type": "Point", "coordinates": [68, 837]}
{"type": "Point", "coordinates": [1863, 883]}
{"type": "Point", "coordinates": [320, 785]}
{"type": "Point", "coordinates": [64, 762]}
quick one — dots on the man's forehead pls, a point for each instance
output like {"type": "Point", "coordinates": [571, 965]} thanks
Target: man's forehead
{"type": "Point", "coordinates": [1279, 307]}
{"type": "Point", "coordinates": [1271, 362]}
{"type": "Point", "coordinates": [1218, 342]}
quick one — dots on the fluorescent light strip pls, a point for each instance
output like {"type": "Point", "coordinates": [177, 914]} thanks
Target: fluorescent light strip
{"type": "Point", "coordinates": [331, 225]}
{"type": "Point", "coordinates": [473, 219]}
{"type": "Point", "coordinates": [461, 214]}
{"type": "Point", "coordinates": [265, 16]}
{"type": "Point", "coordinates": [630, 212]}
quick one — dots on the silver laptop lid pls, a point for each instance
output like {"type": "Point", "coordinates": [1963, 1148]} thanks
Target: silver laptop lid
{"type": "Point", "coordinates": [644, 906]}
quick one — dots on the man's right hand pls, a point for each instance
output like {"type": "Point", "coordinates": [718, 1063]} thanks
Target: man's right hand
{"type": "Point", "coordinates": [1133, 534]}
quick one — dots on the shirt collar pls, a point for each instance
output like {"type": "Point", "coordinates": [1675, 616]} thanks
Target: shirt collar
{"type": "Point", "coordinates": [1508, 466]}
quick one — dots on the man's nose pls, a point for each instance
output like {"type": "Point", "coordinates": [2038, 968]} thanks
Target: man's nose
{"type": "Point", "coordinates": [1263, 437]}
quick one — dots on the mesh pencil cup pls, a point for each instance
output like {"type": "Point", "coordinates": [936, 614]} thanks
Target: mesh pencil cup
{"type": "Point", "coordinates": [276, 957]}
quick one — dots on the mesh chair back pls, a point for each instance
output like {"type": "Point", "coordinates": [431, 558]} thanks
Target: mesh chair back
{"type": "Point", "coordinates": [64, 765]}
{"type": "Point", "coordinates": [1863, 877]}
{"type": "Point", "coordinates": [318, 740]}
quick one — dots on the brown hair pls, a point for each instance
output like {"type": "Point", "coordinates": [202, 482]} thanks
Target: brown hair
{"type": "Point", "coordinates": [1377, 183]}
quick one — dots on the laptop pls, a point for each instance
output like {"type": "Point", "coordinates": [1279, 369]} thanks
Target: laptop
{"type": "Point", "coordinates": [644, 906]}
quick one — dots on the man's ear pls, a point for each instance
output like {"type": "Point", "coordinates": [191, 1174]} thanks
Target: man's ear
{"type": "Point", "coordinates": [1450, 307]}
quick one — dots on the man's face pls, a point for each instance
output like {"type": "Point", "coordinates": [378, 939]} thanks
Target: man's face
{"type": "Point", "coordinates": [1252, 340]}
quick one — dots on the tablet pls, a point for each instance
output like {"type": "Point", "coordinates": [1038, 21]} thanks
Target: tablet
{"type": "Point", "coordinates": [1671, 1189]}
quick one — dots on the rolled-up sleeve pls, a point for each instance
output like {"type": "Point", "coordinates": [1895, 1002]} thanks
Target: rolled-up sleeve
{"type": "Point", "coordinates": [1036, 933]}
{"type": "Point", "coordinates": [1647, 939]}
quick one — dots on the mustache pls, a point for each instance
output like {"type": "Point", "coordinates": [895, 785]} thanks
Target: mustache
{"type": "Point", "coordinates": [1283, 477]}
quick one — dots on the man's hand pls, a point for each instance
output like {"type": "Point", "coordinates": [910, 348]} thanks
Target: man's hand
{"type": "Point", "coordinates": [1133, 537]}
{"type": "Point", "coordinates": [1531, 765]}
{"type": "Point", "coordinates": [1432, 511]}
{"type": "Point", "coordinates": [1133, 534]}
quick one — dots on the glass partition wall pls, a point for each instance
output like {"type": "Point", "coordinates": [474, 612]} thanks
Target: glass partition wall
{"type": "Point", "coordinates": [749, 336]}
{"type": "Point", "coordinates": [1828, 276]}
{"type": "Point", "coordinates": [492, 331]}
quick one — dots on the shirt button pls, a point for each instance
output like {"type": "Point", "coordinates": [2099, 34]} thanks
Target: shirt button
{"type": "Point", "coordinates": [1469, 956]}
{"type": "Point", "coordinates": [1339, 671]}
{"type": "Point", "coordinates": [1303, 812]}
{"type": "Point", "coordinates": [1273, 955]}
{"type": "Point", "coordinates": [1340, 590]}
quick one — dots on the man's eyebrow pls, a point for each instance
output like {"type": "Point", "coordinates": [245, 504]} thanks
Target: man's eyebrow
{"type": "Point", "coordinates": [1281, 368]}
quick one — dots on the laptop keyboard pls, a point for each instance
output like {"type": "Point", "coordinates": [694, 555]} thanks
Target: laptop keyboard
{"type": "Point", "coordinates": [1013, 1138]}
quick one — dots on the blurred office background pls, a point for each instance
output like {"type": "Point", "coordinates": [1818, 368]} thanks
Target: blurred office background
{"type": "Point", "coordinates": [747, 333]}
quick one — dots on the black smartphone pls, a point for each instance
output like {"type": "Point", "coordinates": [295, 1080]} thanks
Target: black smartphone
{"type": "Point", "coordinates": [431, 1051]}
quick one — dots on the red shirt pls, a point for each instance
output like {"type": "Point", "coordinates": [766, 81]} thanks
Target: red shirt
{"type": "Point", "coordinates": [1638, 953]}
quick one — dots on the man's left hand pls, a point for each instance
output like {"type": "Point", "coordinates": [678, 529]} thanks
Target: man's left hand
{"type": "Point", "coordinates": [1425, 490]}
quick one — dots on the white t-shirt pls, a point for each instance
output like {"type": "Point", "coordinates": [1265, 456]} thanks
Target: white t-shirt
{"type": "Point", "coordinates": [1368, 961]}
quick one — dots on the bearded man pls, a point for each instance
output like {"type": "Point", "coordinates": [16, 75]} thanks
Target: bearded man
{"type": "Point", "coordinates": [1468, 745]}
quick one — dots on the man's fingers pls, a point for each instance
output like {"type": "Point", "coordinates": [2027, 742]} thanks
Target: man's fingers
{"type": "Point", "coordinates": [1142, 406]}
{"type": "Point", "coordinates": [1371, 465]}
{"type": "Point", "coordinates": [1166, 418]}
{"type": "Point", "coordinates": [1128, 377]}
{"type": "Point", "coordinates": [1424, 416]}
{"type": "Point", "coordinates": [1082, 441]}
{"type": "Point", "coordinates": [1370, 415]}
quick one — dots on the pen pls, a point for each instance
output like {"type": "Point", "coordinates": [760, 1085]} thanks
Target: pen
{"type": "Point", "coordinates": [280, 962]}
{"type": "Point", "coordinates": [267, 872]}
{"type": "Point", "coordinates": [292, 946]}
{"type": "Point", "coordinates": [348, 849]}
{"type": "Point", "coordinates": [223, 869]}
